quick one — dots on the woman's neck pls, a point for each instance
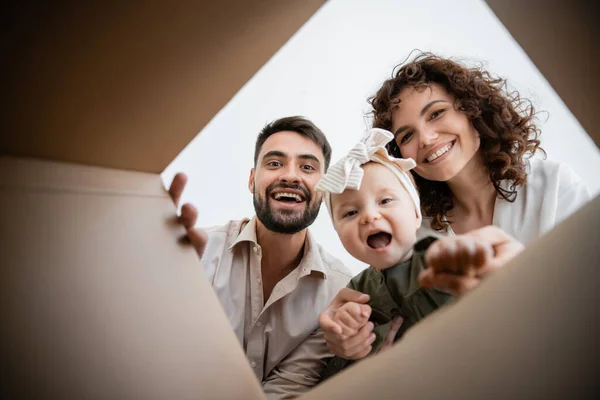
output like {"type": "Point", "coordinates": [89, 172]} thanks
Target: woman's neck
{"type": "Point", "coordinates": [473, 193]}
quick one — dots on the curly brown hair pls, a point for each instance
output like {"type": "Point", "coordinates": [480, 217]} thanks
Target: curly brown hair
{"type": "Point", "coordinates": [503, 120]}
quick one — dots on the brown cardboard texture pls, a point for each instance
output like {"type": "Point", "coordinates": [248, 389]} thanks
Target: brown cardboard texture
{"type": "Point", "coordinates": [128, 85]}
{"type": "Point", "coordinates": [561, 38]}
{"type": "Point", "coordinates": [97, 297]}
{"type": "Point", "coordinates": [528, 331]}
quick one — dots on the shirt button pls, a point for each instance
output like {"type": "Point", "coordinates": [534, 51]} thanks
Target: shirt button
{"type": "Point", "coordinates": [259, 323]}
{"type": "Point", "coordinates": [255, 249]}
{"type": "Point", "coordinates": [253, 364]}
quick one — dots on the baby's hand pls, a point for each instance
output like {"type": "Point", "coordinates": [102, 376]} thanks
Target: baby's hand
{"type": "Point", "coordinates": [456, 263]}
{"type": "Point", "coordinates": [461, 255]}
{"type": "Point", "coordinates": [351, 317]}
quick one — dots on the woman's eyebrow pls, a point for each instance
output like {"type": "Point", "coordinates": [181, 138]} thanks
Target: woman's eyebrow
{"type": "Point", "coordinates": [428, 105]}
{"type": "Point", "coordinates": [423, 111]}
{"type": "Point", "coordinates": [400, 130]}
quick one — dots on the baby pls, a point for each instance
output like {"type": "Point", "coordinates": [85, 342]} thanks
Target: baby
{"type": "Point", "coordinates": [375, 209]}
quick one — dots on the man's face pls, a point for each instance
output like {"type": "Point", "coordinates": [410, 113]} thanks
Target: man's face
{"type": "Point", "coordinates": [289, 166]}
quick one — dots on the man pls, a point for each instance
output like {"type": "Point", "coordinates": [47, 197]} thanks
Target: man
{"type": "Point", "coordinates": [270, 275]}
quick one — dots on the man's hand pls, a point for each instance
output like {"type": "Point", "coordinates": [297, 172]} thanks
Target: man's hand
{"type": "Point", "coordinates": [189, 214]}
{"type": "Point", "coordinates": [457, 264]}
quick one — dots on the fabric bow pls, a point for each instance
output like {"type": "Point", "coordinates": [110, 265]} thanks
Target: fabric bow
{"type": "Point", "coordinates": [348, 174]}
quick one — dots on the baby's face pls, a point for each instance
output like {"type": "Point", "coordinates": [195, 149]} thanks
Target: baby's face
{"type": "Point", "coordinates": [376, 224]}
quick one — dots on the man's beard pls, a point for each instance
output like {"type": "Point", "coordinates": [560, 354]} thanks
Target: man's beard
{"type": "Point", "coordinates": [285, 221]}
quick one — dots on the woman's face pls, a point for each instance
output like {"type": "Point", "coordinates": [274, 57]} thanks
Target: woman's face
{"type": "Point", "coordinates": [429, 129]}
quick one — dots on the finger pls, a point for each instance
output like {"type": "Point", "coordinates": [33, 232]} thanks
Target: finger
{"type": "Point", "coordinates": [199, 239]}
{"type": "Point", "coordinates": [454, 284]}
{"type": "Point", "coordinates": [465, 251]}
{"type": "Point", "coordinates": [333, 339]}
{"type": "Point", "coordinates": [177, 186]}
{"type": "Point", "coordinates": [504, 247]}
{"type": "Point", "coordinates": [351, 310]}
{"type": "Point", "coordinates": [346, 330]}
{"type": "Point", "coordinates": [395, 327]}
{"type": "Point", "coordinates": [357, 311]}
{"type": "Point", "coordinates": [364, 336]}
{"type": "Point", "coordinates": [188, 216]}
{"type": "Point", "coordinates": [426, 278]}
{"type": "Point", "coordinates": [326, 318]}
{"type": "Point", "coordinates": [349, 325]}
{"type": "Point", "coordinates": [329, 326]}
{"type": "Point", "coordinates": [491, 234]}
{"type": "Point", "coordinates": [498, 239]}
{"type": "Point", "coordinates": [365, 311]}
{"type": "Point", "coordinates": [506, 251]}
{"type": "Point", "coordinates": [346, 294]}
{"type": "Point", "coordinates": [357, 351]}
{"type": "Point", "coordinates": [432, 255]}
{"type": "Point", "coordinates": [352, 345]}
{"type": "Point", "coordinates": [482, 255]}
{"type": "Point", "coordinates": [440, 255]}
{"type": "Point", "coordinates": [391, 336]}
{"type": "Point", "coordinates": [361, 354]}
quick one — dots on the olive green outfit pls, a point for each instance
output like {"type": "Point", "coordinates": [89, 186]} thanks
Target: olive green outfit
{"type": "Point", "coordinates": [394, 291]}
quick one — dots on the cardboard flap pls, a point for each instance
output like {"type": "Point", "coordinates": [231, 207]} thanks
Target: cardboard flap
{"type": "Point", "coordinates": [98, 297]}
{"type": "Point", "coordinates": [129, 85]}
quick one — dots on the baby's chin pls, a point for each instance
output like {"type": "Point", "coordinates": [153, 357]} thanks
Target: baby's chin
{"type": "Point", "coordinates": [385, 264]}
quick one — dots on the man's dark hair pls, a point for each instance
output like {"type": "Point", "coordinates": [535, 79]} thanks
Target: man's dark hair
{"type": "Point", "coordinates": [296, 124]}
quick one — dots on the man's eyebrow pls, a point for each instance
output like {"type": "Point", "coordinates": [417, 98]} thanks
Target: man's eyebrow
{"type": "Point", "coordinates": [309, 157]}
{"type": "Point", "coordinates": [423, 111]}
{"type": "Point", "coordinates": [275, 153]}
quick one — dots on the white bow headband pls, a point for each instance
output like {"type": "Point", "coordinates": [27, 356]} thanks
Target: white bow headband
{"type": "Point", "coordinates": [347, 172]}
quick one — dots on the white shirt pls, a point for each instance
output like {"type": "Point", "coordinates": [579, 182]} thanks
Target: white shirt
{"type": "Point", "coordinates": [280, 337]}
{"type": "Point", "coordinates": [550, 194]}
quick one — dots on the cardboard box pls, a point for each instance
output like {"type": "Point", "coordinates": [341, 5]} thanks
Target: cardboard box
{"type": "Point", "coordinates": [99, 300]}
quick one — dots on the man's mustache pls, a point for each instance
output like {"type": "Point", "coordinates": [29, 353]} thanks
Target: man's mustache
{"type": "Point", "coordinates": [276, 186]}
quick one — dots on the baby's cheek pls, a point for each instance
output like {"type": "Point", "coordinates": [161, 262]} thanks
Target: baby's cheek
{"type": "Point", "coordinates": [348, 241]}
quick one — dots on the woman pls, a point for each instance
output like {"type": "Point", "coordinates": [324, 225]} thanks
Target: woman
{"type": "Point", "coordinates": [473, 144]}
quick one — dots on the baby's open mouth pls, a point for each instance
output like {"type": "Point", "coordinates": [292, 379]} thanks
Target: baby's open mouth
{"type": "Point", "coordinates": [379, 240]}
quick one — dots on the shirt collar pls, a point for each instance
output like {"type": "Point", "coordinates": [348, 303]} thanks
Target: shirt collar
{"type": "Point", "coordinates": [248, 233]}
{"type": "Point", "coordinates": [311, 259]}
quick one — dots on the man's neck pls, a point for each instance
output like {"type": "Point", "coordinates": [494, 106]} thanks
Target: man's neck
{"type": "Point", "coordinates": [281, 254]}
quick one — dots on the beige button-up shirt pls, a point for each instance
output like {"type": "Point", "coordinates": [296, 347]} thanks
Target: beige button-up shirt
{"type": "Point", "coordinates": [280, 337]}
